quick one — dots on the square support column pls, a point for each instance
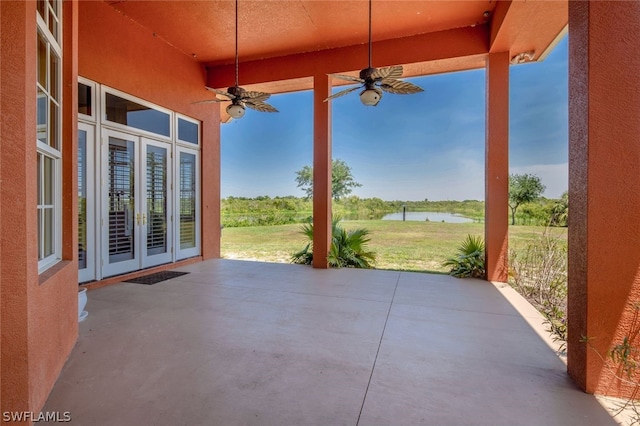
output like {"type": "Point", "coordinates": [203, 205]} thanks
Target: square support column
{"type": "Point", "coordinates": [496, 228]}
{"type": "Point", "coordinates": [604, 156]}
{"type": "Point", "coordinates": [321, 170]}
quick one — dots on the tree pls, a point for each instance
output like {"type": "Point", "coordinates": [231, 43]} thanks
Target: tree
{"type": "Point", "coordinates": [523, 188]}
{"type": "Point", "coordinates": [560, 211]}
{"type": "Point", "coordinates": [342, 182]}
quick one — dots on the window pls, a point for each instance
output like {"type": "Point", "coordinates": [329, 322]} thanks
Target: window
{"type": "Point", "coordinates": [49, 132]}
{"type": "Point", "coordinates": [188, 131]}
{"type": "Point", "coordinates": [133, 114]}
{"type": "Point", "coordinates": [85, 99]}
{"type": "Point", "coordinates": [188, 194]}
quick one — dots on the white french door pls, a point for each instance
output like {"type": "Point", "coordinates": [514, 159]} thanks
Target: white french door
{"type": "Point", "coordinates": [157, 228]}
{"type": "Point", "coordinates": [136, 203]}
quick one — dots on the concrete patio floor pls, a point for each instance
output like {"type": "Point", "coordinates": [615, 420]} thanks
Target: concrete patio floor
{"type": "Point", "coordinates": [250, 343]}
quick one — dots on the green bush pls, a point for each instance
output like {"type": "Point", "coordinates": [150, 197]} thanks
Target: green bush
{"type": "Point", "coordinates": [348, 248]}
{"type": "Point", "coordinates": [469, 262]}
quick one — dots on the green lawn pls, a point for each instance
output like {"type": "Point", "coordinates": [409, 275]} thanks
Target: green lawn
{"type": "Point", "coordinates": [411, 245]}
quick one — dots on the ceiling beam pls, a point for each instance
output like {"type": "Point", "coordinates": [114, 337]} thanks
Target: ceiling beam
{"type": "Point", "coordinates": [520, 26]}
{"type": "Point", "coordinates": [450, 47]}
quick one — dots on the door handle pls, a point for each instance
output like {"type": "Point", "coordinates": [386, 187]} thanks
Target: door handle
{"type": "Point", "coordinates": [144, 218]}
{"type": "Point", "coordinates": [138, 218]}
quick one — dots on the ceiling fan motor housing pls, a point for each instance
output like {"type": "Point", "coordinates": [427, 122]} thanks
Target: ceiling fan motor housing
{"type": "Point", "coordinates": [366, 73]}
{"type": "Point", "coordinates": [236, 91]}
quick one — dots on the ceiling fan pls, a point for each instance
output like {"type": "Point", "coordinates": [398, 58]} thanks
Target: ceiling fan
{"type": "Point", "coordinates": [376, 80]}
{"type": "Point", "coordinates": [239, 97]}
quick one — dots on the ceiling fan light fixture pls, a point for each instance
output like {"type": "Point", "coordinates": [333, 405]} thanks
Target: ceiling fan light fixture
{"type": "Point", "coordinates": [239, 97]}
{"type": "Point", "coordinates": [370, 97]}
{"type": "Point", "coordinates": [235, 111]}
{"type": "Point", "coordinates": [374, 81]}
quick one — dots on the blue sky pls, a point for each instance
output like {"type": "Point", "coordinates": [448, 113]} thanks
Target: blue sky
{"type": "Point", "coordinates": [410, 147]}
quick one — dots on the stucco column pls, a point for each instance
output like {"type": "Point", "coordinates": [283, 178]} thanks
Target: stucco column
{"type": "Point", "coordinates": [18, 189]}
{"type": "Point", "coordinates": [604, 158]}
{"type": "Point", "coordinates": [210, 186]}
{"type": "Point", "coordinates": [321, 170]}
{"type": "Point", "coordinates": [496, 228]}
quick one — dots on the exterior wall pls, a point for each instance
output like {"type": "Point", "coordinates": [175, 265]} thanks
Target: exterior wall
{"type": "Point", "coordinates": [134, 60]}
{"type": "Point", "coordinates": [604, 153]}
{"type": "Point", "coordinates": [39, 312]}
{"type": "Point", "coordinates": [1, 143]}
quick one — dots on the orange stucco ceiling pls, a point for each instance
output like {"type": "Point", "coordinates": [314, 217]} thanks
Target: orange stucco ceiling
{"type": "Point", "coordinates": [271, 31]}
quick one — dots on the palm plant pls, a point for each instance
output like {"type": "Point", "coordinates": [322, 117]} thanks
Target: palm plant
{"type": "Point", "coordinates": [348, 248]}
{"type": "Point", "coordinates": [469, 261]}
{"type": "Point", "coordinates": [305, 256]}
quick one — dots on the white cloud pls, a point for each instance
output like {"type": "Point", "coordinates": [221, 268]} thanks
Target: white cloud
{"type": "Point", "coordinates": [554, 176]}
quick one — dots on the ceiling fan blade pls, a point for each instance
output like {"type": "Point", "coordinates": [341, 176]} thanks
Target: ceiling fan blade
{"type": "Point", "coordinates": [256, 96]}
{"type": "Point", "coordinates": [347, 78]}
{"type": "Point", "coordinates": [342, 93]}
{"type": "Point", "coordinates": [221, 92]}
{"type": "Point", "coordinates": [387, 72]}
{"type": "Point", "coordinates": [400, 87]}
{"type": "Point", "coordinates": [210, 101]}
{"type": "Point", "coordinates": [259, 106]}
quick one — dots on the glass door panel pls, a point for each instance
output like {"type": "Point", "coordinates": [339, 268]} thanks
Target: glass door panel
{"type": "Point", "coordinates": [122, 215]}
{"type": "Point", "coordinates": [188, 204]}
{"type": "Point", "coordinates": [86, 204]}
{"type": "Point", "coordinates": [156, 219]}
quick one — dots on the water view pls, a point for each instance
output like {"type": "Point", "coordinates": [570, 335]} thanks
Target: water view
{"type": "Point", "coordinates": [430, 216]}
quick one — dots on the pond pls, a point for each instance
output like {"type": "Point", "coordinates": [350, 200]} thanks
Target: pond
{"type": "Point", "coordinates": [430, 216]}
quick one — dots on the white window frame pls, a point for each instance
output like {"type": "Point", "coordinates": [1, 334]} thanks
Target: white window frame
{"type": "Point", "coordinates": [182, 142]}
{"type": "Point", "coordinates": [94, 95]}
{"type": "Point", "coordinates": [53, 44]}
{"type": "Point", "coordinates": [124, 127]}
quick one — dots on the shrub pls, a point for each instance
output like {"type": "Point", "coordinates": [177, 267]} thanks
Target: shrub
{"type": "Point", "coordinates": [348, 248]}
{"type": "Point", "coordinates": [469, 262]}
{"type": "Point", "coordinates": [539, 273]}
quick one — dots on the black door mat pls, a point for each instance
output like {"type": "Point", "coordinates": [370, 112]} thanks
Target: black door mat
{"type": "Point", "coordinates": [156, 277]}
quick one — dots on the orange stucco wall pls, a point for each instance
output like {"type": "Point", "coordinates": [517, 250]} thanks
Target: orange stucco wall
{"type": "Point", "coordinates": [39, 313]}
{"type": "Point", "coordinates": [604, 153]}
{"type": "Point", "coordinates": [136, 61]}
{"type": "Point", "coordinates": [1, 139]}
